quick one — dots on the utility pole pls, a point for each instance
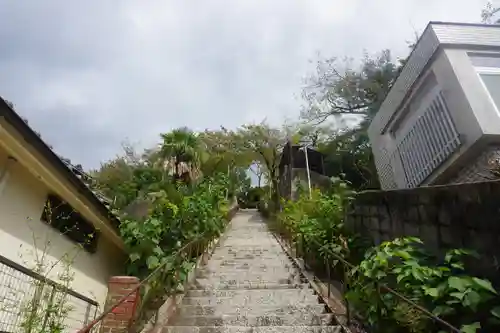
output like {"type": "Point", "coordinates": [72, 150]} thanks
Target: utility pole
{"type": "Point", "coordinates": [229, 181]}
{"type": "Point", "coordinates": [307, 170]}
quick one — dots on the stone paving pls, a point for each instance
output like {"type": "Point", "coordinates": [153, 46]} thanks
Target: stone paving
{"type": "Point", "coordinates": [250, 285]}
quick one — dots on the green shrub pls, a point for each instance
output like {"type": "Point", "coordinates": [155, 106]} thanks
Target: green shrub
{"type": "Point", "coordinates": [315, 225]}
{"type": "Point", "coordinates": [194, 213]}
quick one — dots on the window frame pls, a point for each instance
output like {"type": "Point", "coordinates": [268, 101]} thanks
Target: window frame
{"type": "Point", "coordinates": [79, 220]}
{"type": "Point", "coordinates": [488, 71]}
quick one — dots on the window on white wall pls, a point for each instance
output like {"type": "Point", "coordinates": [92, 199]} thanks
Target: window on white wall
{"type": "Point", "coordinates": [490, 78]}
{"type": "Point", "coordinates": [487, 66]}
{"type": "Point", "coordinates": [61, 216]}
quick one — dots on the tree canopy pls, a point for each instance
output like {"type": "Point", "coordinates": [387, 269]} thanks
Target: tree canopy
{"type": "Point", "coordinates": [337, 91]}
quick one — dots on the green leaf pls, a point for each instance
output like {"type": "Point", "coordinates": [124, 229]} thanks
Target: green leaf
{"type": "Point", "coordinates": [471, 328]}
{"type": "Point", "coordinates": [496, 311]}
{"type": "Point", "coordinates": [417, 274]}
{"type": "Point", "coordinates": [442, 310]}
{"type": "Point", "coordinates": [485, 284]}
{"type": "Point", "coordinates": [158, 251]}
{"type": "Point", "coordinates": [472, 299]}
{"type": "Point", "coordinates": [458, 283]}
{"type": "Point", "coordinates": [152, 262]}
{"type": "Point", "coordinates": [458, 295]}
{"type": "Point", "coordinates": [403, 254]}
{"type": "Point", "coordinates": [433, 292]}
{"type": "Point", "coordinates": [134, 257]}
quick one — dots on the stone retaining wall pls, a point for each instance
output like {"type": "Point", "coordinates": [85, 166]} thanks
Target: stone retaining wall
{"type": "Point", "coordinates": [452, 216]}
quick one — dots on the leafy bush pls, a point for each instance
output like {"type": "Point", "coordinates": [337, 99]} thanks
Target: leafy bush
{"type": "Point", "coordinates": [443, 288]}
{"type": "Point", "coordinates": [198, 213]}
{"type": "Point", "coordinates": [315, 224]}
{"type": "Point", "coordinates": [316, 221]}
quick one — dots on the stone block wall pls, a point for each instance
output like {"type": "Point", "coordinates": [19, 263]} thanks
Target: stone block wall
{"type": "Point", "coordinates": [444, 217]}
{"type": "Point", "coordinates": [480, 168]}
{"type": "Point", "coordinates": [318, 181]}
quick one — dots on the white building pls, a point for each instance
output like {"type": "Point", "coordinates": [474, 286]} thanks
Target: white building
{"type": "Point", "coordinates": [440, 123]}
{"type": "Point", "coordinates": [30, 176]}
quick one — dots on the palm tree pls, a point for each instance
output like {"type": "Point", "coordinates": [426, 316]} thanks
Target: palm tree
{"type": "Point", "coordinates": [181, 148]}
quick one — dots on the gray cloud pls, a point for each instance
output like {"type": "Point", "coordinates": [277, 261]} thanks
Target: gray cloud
{"type": "Point", "coordinates": [90, 74]}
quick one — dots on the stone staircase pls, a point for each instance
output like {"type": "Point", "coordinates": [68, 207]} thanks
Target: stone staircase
{"type": "Point", "coordinates": [250, 285]}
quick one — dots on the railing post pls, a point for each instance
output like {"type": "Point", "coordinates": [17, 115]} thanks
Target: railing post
{"type": "Point", "coordinates": [49, 304]}
{"type": "Point", "coordinates": [328, 275]}
{"type": "Point", "coordinates": [379, 308]}
{"type": "Point", "coordinates": [345, 287]}
{"type": "Point", "coordinates": [87, 313]}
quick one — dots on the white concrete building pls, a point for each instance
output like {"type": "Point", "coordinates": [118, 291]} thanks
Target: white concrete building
{"type": "Point", "coordinates": [30, 176]}
{"type": "Point", "coordinates": [440, 123]}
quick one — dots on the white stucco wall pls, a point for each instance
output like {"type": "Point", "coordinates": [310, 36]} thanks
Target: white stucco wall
{"type": "Point", "coordinates": [448, 51]}
{"type": "Point", "coordinates": [22, 199]}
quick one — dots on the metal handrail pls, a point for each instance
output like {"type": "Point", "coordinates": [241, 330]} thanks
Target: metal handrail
{"type": "Point", "coordinates": [384, 287]}
{"type": "Point", "coordinates": [92, 324]}
{"type": "Point", "coordinates": [9, 263]}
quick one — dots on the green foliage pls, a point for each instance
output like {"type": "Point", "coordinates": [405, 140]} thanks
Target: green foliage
{"type": "Point", "coordinates": [335, 92]}
{"type": "Point", "coordinates": [181, 146]}
{"type": "Point", "coordinates": [48, 309]}
{"type": "Point", "coordinates": [403, 264]}
{"type": "Point", "coordinates": [315, 224]}
{"type": "Point", "coordinates": [173, 201]}
{"type": "Point", "coordinates": [197, 214]}
{"type": "Point", "coordinates": [251, 197]}
{"type": "Point", "coordinates": [263, 143]}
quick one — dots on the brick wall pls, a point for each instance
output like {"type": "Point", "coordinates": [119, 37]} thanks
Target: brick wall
{"type": "Point", "coordinates": [452, 216]}
{"type": "Point", "coordinates": [119, 320]}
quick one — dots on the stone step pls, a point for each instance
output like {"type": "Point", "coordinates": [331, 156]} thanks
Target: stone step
{"type": "Point", "coordinates": [257, 278]}
{"type": "Point", "coordinates": [246, 329]}
{"type": "Point", "coordinates": [213, 263]}
{"type": "Point", "coordinates": [243, 284]}
{"type": "Point", "coordinates": [272, 320]}
{"type": "Point", "coordinates": [245, 269]}
{"type": "Point", "coordinates": [246, 248]}
{"type": "Point", "coordinates": [242, 230]}
{"type": "Point", "coordinates": [228, 251]}
{"type": "Point", "coordinates": [236, 249]}
{"type": "Point", "coordinates": [250, 244]}
{"type": "Point", "coordinates": [225, 270]}
{"type": "Point", "coordinates": [250, 256]}
{"type": "Point", "coordinates": [248, 275]}
{"type": "Point", "coordinates": [250, 285]}
{"type": "Point", "coordinates": [262, 310]}
{"type": "Point", "coordinates": [199, 286]}
{"type": "Point", "coordinates": [256, 292]}
{"type": "Point", "coordinates": [249, 299]}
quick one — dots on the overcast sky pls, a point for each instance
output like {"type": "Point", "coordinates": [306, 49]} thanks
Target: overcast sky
{"type": "Point", "coordinates": [90, 74]}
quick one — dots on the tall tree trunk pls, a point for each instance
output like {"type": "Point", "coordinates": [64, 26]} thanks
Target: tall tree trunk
{"type": "Point", "coordinates": [176, 170]}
